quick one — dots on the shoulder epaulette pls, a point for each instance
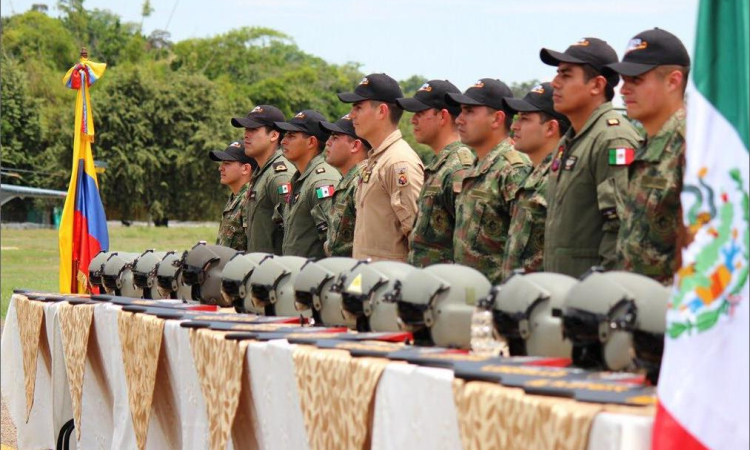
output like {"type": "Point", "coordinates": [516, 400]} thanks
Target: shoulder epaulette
{"type": "Point", "coordinates": [613, 122]}
{"type": "Point", "coordinates": [465, 157]}
{"type": "Point", "coordinates": [320, 170]}
{"type": "Point", "coordinates": [514, 158]}
{"type": "Point", "coordinates": [279, 167]}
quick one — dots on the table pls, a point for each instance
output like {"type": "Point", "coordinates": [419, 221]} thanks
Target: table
{"type": "Point", "coordinates": [268, 395]}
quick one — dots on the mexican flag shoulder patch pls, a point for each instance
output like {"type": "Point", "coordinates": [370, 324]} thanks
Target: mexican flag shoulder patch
{"type": "Point", "coordinates": [621, 156]}
{"type": "Point", "coordinates": [325, 191]}
{"type": "Point", "coordinates": [285, 188]}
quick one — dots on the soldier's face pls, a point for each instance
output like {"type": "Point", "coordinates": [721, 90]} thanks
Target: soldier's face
{"type": "Point", "coordinates": [258, 141]}
{"type": "Point", "coordinates": [644, 95]}
{"type": "Point", "coordinates": [339, 148]}
{"type": "Point", "coordinates": [529, 132]}
{"type": "Point", "coordinates": [426, 125]}
{"type": "Point", "coordinates": [571, 91]}
{"type": "Point", "coordinates": [295, 145]}
{"type": "Point", "coordinates": [231, 172]}
{"type": "Point", "coordinates": [364, 117]}
{"type": "Point", "coordinates": [475, 124]}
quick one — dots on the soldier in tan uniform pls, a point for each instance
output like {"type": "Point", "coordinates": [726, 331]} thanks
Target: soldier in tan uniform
{"type": "Point", "coordinates": [308, 205]}
{"type": "Point", "coordinates": [488, 191]}
{"type": "Point", "coordinates": [346, 152]}
{"type": "Point", "coordinates": [434, 122]}
{"type": "Point", "coordinates": [391, 180]}
{"type": "Point", "coordinates": [236, 169]}
{"type": "Point", "coordinates": [582, 215]}
{"type": "Point", "coordinates": [654, 71]}
{"type": "Point", "coordinates": [265, 199]}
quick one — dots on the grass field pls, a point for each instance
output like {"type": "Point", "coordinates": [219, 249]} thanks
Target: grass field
{"type": "Point", "coordinates": [29, 258]}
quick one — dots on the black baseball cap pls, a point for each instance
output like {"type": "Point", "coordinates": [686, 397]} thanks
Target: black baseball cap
{"type": "Point", "coordinates": [306, 121]}
{"type": "Point", "coordinates": [260, 116]}
{"type": "Point", "coordinates": [376, 86]}
{"type": "Point", "coordinates": [485, 92]}
{"type": "Point", "coordinates": [592, 51]}
{"type": "Point", "coordinates": [538, 99]}
{"type": "Point", "coordinates": [234, 152]}
{"type": "Point", "coordinates": [431, 95]}
{"type": "Point", "coordinates": [650, 49]}
{"type": "Point", "coordinates": [343, 126]}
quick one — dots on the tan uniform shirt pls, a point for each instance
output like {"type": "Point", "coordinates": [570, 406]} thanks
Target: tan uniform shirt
{"type": "Point", "coordinates": [387, 200]}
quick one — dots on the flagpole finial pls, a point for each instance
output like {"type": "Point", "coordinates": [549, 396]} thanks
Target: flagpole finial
{"type": "Point", "coordinates": [84, 52]}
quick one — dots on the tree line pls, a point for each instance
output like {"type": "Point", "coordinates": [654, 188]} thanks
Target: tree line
{"type": "Point", "coordinates": [160, 107]}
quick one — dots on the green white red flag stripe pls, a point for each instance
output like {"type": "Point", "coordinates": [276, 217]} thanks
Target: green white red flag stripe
{"type": "Point", "coordinates": [621, 156]}
{"type": "Point", "coordinates": [704, 383]}
{"type": "Point", "coordinates": [325, 191]}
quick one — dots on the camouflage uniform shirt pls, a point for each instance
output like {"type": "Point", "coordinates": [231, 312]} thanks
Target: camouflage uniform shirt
{"type": "Point", "coordinates": [525, 246]}
{"type": "Point", "coordinates": [232, 228]}
{"type": "Point", "coordinates": [485, 204]}
{"type": "Point", "coordinates": [306, 214]}
{"type": "Point", "coordinates": [651, 213]}
{"type": "Point", "coordinates": [343, 214]}
{"type": "Point", "coordinates": [265, 202]}
{"type": "Point", "coordinates": [431, 239]}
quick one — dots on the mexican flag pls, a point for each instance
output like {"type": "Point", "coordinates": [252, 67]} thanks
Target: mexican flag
{"type": "Point", "coordinates": [621, 156]}
{"type": "Point", "coordinates": [325, 191]}
{"type": "Point", "coordinates": [703, 386]}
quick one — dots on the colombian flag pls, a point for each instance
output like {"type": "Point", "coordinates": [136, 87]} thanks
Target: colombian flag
{"type": "Point", "coordinates": [83, 228]}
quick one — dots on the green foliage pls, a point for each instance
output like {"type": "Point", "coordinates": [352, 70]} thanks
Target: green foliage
{"type": "Point", "coordinates": [20, 124]}
{"type": "Point", "coordinates": [34, 36]}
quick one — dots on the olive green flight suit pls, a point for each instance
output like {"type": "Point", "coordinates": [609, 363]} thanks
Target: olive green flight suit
{"type": "Point", "coordinates": [582, 220]}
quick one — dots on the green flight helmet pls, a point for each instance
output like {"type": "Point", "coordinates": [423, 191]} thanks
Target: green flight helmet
{"type": "Point", "coordinates": [522, 310]}
{"type": "Point", "coordinates": [95, 268]}
{"type": "Point", "coordinates": [273, 286]}
{"type": "Point", "coordinates": [436, 303]}
{"type": "Point", "coordinates": [235, 281]}
{"type": "Point", "coordinates": [312, 290]}
{"type": "Point", "coordinates": [650, 324]}
{"type": "Point", "coordinates": [169, 278]}
{"type": "Point", "coordinates": [364, 290]}
{"type": "Point", "coordinates": [201, 270]}
{"type": "Point", "coordinates": [597, 314]}
{"type": "Point", "coordinates": [117, 275]}
{"type": "Point", "coordinates": [144, 273]}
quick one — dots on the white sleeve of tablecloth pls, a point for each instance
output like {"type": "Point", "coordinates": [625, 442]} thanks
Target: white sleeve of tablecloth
{"type": "Point", "coordinates": [276, 396]}
{"type": "Point", "coordinates": [38, 432]}
{"type": "Point", "coordinates": [414, 409]}
{"type": "Point", "coordinates": [61, 401]}
{"type": "Point", "coordinates": [611, 431]}
{"type": "Point", "coordinates": [193, 413]}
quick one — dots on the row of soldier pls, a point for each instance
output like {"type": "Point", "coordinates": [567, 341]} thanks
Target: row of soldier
{"type": "Point", "coordinates": [575, 186]}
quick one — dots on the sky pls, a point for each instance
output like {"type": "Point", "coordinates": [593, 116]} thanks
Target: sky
{"type": "Point", "coordinates": [458, 40]}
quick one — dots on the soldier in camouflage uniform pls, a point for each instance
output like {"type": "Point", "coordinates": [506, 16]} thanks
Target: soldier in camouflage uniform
{"type": "Point", "coordinates": [582, 212]}
{"type": "Point", "coordinates": [654, 70]}
{"type": "Point", "coordinates": [434, 122]}
{"type": "Point", "coordinates": [346, 152]}
{"type": "Point", "coordinates": [306, 213]}
{"type": "Point", "coordinates": [536, 132]}
{"type": "Point", "coordinates": [236, 170]}
{"type": "Point", "coordinates": [487, 194]}
{"type": "Point", "coordinates": [265, 200]}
